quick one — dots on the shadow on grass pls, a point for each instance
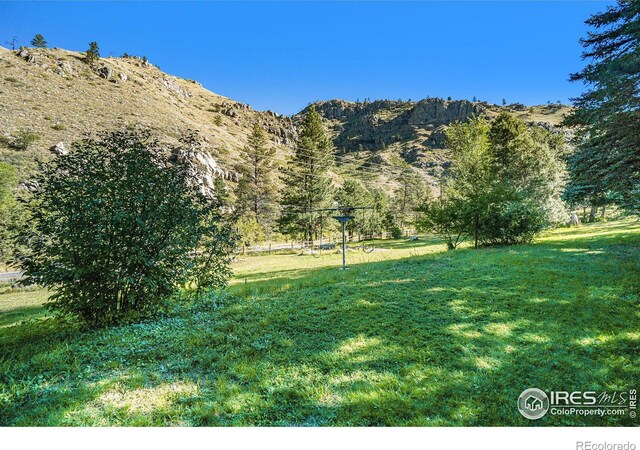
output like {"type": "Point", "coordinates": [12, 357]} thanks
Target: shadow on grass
{"type": "Point", "coordinates": [444, 339]}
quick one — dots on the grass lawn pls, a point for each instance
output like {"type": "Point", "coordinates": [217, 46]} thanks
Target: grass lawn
{"type": "Point", "coordinates": [409, 335]}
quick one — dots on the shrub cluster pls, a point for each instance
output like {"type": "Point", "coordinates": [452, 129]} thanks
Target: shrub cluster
{"type": "Point", "coordinates": [117, 230]}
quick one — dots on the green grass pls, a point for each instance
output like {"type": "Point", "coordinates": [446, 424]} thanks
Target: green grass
{"type": "Point", "coordinates": [410, 335]}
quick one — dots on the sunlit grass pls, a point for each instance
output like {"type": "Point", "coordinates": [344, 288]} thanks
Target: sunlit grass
{"type": "Point", "coordinates": [409, 335]}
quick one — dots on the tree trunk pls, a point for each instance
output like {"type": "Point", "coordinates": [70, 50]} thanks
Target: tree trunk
{"type": "Point", "coordinates": [475, 231]}
{"type": "Point", "coordinates": [592, 213]}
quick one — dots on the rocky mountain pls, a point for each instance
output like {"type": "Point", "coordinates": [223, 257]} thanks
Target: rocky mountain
{"type": "Point", "coordinates": [52, 97]}
{"type": "Point", "coordinates": [414, 132]}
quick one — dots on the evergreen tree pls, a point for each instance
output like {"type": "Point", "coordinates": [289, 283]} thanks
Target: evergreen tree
{"type": "Point", "coordinates": [256, 191]}
{"type": "Point", "coordinates": [504, 185]}
{"type": "Point", "coordinates": [306, 181]}
{"type": "Point", "coordinates": [407, 199]}
{"type": "Point", "coordinates": [93, 53]}
{"type": "Point", "coordinates": [607, 161]}
{"type": "Point", "coordinates": [354, 193]}
{"type": "Point", "coordinates": [38, 41]}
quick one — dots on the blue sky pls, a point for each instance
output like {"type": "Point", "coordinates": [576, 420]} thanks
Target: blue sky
{"type": "Point", "coordinates": [281, 56]}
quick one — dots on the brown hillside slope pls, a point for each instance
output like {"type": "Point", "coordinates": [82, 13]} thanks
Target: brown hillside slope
{"type": "Point", "coordinates": [55, 94]}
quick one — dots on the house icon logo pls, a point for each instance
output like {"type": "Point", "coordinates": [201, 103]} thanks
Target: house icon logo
{"type": "Point", "coordinates": [533, 403]}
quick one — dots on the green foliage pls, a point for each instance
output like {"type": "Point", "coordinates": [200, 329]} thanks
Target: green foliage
{"type": "Point", "coordinates": [354, 193]}
{"type": "Point", "coordinates": [249, 230]}
{"type": "Point", "coordinates": [407, 199]}
{"type": "Point", "coordinates": [448, 219]}
{"type": "Point", "coordinates": [307, 184]}
{"type": "Point", "coordinates": [504, 185]}
{"type": "Point", "coordinates": [415, 337]}
{"type": "Point", "coordinates": [510, 219]}
{"type": "Point", "coordinates": [59, 126]}
{"type": "Point", "coordinates": [92, 54]}
{"type": "Point", "coordinates": [38, 41]}
{"type": "Point", "coordinates": [256, 191]}
{"type": "Point", "coordinates": [606, 164]}
{"type": "Point", "coordinates": [9, 211]}
{"type": "Point", "coordinates": [114, 228]}
{"type": "Point", "coordinates": [24, 140]}
{"type": "Point", "coordinates": [214, 251]}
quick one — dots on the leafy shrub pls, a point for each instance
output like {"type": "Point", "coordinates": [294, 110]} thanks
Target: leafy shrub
{"type": "Point", "coordinates": [396, 232]}
{"type": "Point", "coordinates": [449, 219]}
{"type": "Point", "coordinates": [115, 228]}
{"type": "Point", "coordinates": [509, 222]}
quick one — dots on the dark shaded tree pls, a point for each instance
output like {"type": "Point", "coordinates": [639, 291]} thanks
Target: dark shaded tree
{"type": "Point", "coordinates": [306, 180]}
{"type": "Point", "coordinates": [92, 54]}
{"type": "Point", "coordinates": [38, 41]}
{"type": "Point", "coordinates": [256, 191]}
{"type": "Point", "coordinates": [116, 227]}
{"type": "Point", "coordinates": [607, 115]}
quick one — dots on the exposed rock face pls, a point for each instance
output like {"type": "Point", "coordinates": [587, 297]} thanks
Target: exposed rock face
{"type": "Point", "coordinates": [104, 72]}
{"type": "Point", "coordinates": [203, 168]}
{"type": "Point", "coordinates": [375, 125]}
{"type": "Point", "coordinates": [64, 69]}
{"type": "Point", "coordinates": [437, 112]}
{"type": "Point", "coordinates": [59, 149]}
{"type": "Point", "coordinates": [27, 55]}
{"type": "Point", "coordinates": [30, 186]}
{"type": "Point", "coordinates": [173, 86]}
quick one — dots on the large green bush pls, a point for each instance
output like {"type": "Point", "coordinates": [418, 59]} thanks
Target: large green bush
{"type": "Point", "coordinates": [117, 229]}
{"type": "Point", "coordinates": [511, 221]}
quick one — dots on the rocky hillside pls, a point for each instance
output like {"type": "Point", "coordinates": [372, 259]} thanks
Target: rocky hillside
{"type": "Point", "coordinates": [52, 96]}
{"type": "Point", "coordinates": [414, 132]}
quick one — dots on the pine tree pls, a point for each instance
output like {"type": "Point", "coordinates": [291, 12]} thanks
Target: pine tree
{"type": "Point", "coordinates": [93, 53]}
{"type": "Point", "coordinates": [307, 184]}
{"type": "Point", "coordinates": [354, 193]}
{"type": "Point", "coordinates": [38, 41]}
{"type": "Point", "coordinates": [408, 198]}
{"type": "Point", "coordinates": [256, 191]}
{"type": "Point", "coordinates": [608, 114]}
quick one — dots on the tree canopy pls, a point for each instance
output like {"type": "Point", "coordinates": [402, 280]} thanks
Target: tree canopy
{"type": "Point", "coordinates": [607, 115]}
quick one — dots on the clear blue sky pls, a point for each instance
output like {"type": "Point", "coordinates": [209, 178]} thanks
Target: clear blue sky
{"type": "Point", "coordinates": [281, 56]}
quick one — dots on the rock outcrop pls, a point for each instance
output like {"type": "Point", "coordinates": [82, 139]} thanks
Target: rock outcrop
{"type": "Point", "coordinates": [59, 149]}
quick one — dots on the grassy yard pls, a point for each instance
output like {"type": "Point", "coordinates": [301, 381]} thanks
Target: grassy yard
{"type": "Point", "coordinates": [409, 335]}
